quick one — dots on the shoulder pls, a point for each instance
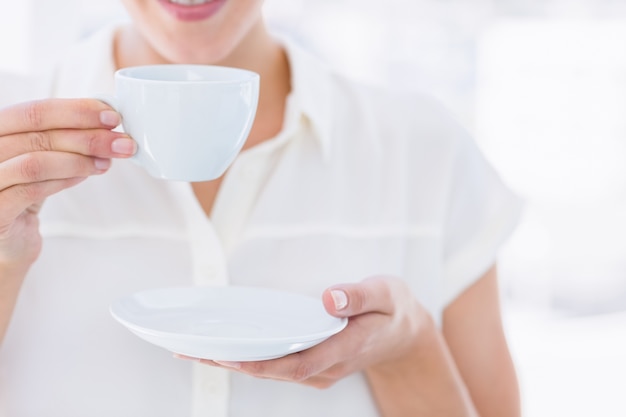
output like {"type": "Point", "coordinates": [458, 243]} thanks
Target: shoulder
{"type": "Point", "coordinates": [407, 106]}
{"type": "Point", "coordinates": [347, 109]}
{"type": "Point", "coordinates": [22, 87]}
{"type": "Point", "coordinates": [412, 119]}
{"type": "Point", "coordinates": [86, 66]}
{"type": "Point", "coordinates": [93, 44]}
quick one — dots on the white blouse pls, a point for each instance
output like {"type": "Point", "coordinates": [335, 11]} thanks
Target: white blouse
{"type": "Point", "coordinates": [359, 182]}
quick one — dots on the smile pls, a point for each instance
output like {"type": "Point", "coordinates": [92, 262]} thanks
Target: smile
{"type": "Point", "coordinates": [190, 2]}
{"type": "Point", "coordinates": [192, 10]}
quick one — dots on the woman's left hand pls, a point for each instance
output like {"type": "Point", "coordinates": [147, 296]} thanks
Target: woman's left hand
{"type": "Point", "coordinates": [384, 325]}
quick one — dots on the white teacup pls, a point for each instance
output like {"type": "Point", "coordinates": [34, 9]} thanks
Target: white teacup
{"type": "Point", "coordinates": [189, 121]}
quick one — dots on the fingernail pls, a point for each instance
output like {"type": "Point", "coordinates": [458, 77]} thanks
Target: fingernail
{"type": "Point", "coordinates": [102, 164]}
{"type": "Point", "coordinates": [234, 365]}
{"type": "Point", "coordinates": [110, 118]}
{"type": "Point", "coordinates": [340, 299]}
{"type": "Point", "coordinates": [124, 146]}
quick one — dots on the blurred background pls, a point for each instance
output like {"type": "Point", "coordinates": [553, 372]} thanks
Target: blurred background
{"type": "Point", "coordinates": [541, 84]}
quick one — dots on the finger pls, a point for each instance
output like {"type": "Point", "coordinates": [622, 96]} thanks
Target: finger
{"type": "Point", "coordinates": [318, 366]}
{"type": "Point", "coordinates": [317, 381]}
{"type": "Point", "coordinates": [102, 143]}
{"type": "Point", "coordinates": [15, 200]}
{"type": "Point", "coordinates": [57, 114]}
{"type": "Point", "coordinates": [368, 296]}
{"type": "Point", "coordinates": [295, 367]}
{"type": "Point", "coordinates": [326, 360]}
{"type": "Point", "coordinates": [44, 166]}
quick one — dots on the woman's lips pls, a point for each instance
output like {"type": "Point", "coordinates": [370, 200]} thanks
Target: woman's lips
{"type": "Point", "coordinates": [190, 11]}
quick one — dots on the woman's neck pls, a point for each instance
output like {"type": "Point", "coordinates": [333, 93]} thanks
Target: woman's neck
{"type": "Point", "coordinates": [257, 52]}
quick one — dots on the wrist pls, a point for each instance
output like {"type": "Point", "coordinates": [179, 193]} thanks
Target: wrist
{"type": "Point", "coordinates": [421, 338]}
{"type": "Point", "coordinates": [13, 271]}
{"type": "Point", "coordinates": [424, 381]}
{"type": "Point", "coordinates": [11, 279]}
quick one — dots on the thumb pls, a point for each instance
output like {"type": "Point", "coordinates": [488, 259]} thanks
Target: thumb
{"type": "Point", "coordinates": [335, 301]}
{"type": "Point", "coordinates": [370, 295]}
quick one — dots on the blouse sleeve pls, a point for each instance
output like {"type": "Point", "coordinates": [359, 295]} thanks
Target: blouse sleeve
{"type": "Point", "coordinates": [481, 213]}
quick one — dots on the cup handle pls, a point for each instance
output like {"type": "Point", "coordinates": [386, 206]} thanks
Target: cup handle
{"type": "Point", "coordinates": [111, 100]}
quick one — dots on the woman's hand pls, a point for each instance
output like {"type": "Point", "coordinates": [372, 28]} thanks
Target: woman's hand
{"type": "Point", "coordinates": [412, 366]}
{"type": "Point", "coordinates": [47, 146]}
{"type": "Point", "coordinates": [384, 325]}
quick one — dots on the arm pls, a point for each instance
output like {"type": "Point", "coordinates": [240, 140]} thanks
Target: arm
{"type": "Point", "coordinates": [10, 283]}
{"type": "Point", "coordinates": [424, 383]}
{"type": "Point", "coordinates": [466, 370]}
{"type": "Point", "coordinates": [472, 327]}
{"type": "Point", "coordinates": [45, 147]}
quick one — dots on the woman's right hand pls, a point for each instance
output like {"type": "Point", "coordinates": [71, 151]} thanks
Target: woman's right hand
{"type": "Point", "coordinates": [47, 146]}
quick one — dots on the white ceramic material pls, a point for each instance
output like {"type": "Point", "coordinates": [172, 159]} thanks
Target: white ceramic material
{"type": "Point", "coordinates": [190, 121]}
{"type": "Point", "coordinates": [227, 323]}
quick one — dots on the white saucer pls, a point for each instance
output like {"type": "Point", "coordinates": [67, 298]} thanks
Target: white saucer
{"type": "Point", "coordinates": [227, 323]}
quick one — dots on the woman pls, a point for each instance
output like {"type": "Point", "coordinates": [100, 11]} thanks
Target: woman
{"type": "Point", "coordinates": [376, 200]}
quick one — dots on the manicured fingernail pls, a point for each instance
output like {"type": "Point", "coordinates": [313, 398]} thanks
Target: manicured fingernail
{"type": "Point", "coordinates": [110, 118]}
{"type": "Point", "coordinates": [102, 164]}
{"type": "Point", "coordinates": [234, 365]}
{"type": "Point", "coordinates": [340, 299]}
{"type": "Point", "coordinates": [124, 146]}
